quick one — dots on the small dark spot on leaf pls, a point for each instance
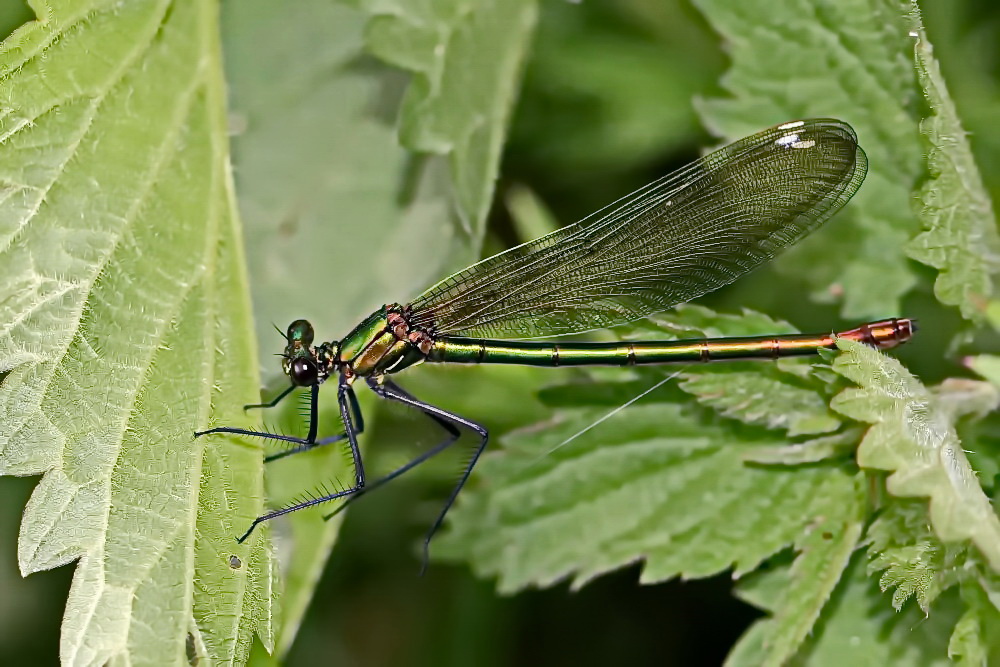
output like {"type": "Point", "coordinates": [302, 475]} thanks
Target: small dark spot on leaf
{"type": "Point", "coordinates": [192, 653]}
{"type": "Point", "coordinates": [235, 562]}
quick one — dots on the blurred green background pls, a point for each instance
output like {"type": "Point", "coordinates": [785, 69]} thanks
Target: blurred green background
{"type": "Point", "coordinates": [606, 106]}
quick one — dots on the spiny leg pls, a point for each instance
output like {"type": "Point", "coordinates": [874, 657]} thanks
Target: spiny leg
{"type": "Point", "coordinates": [310, 439]}
{"type": "Point", "coordinates": [345, 398]}
{"type": "Point", "coordinates": [273, 402]}
{"type": "Point", "coordinates": [390, 391]}
{"type": "Point", "coordinates": [302, 444]}
{"type": "Point", "coordinates": [359, 428]}
{"type": "Point", "coordinates": [453, 434]}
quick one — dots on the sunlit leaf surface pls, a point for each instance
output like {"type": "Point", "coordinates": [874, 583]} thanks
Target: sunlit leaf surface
{"type": "Point", "coordinates": [120, 240]}
{"type": "Point", "coordinates": [961, 238]}
{"type": "Point", "coordinates": [913, 439]}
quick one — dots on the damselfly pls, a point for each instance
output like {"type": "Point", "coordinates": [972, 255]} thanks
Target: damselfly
{"type": "Point", "coordinates": [678, 238]}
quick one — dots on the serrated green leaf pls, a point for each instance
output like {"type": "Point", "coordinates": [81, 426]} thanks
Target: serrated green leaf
{"type": "Point", "coordinates": [909, 571]}
{"type": "Point", "coordinates": [854, 628]}
{"type": "Point", "coordinates": [809, 451]}
{"type": "Point", "coordinates": [912, 437]}
{"type": "Point", "coordinates": [960, 238]}
{"type": "Point", "coordinates": [764, 398]}
{"type": "Point", "coordinates": [467, 57]}
{"type": "Point", "coordinates": [657, 484]}
{"type": "Point", "coordinates": [124, 311]}
{"type": "Point", "coordinates": [825, 550]}
{"type": "Point", "coordinates": [911, 557]}
{"type": "Point", "coordinates": [851, 60]}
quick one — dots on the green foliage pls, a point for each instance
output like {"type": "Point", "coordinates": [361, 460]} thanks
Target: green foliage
{"type": "Point", "coordinates": [854, 628]}
{"type": "Point", "coordinates": [128, 307]}
{"type": "Point", "coordinates": [914, 440]}
{"type": "Point", "coordinates": [961, 238]}
{"type": "Point", "coordinates": [912, 559]}
{"type": "Point", "coordinates": [467, 57]}
{"type": "Point", "coordinates": [850, 60]}
{"type": "Point", "coordinates": [553, 505]}
{"type": "Point", "coordinates": [367, 139]}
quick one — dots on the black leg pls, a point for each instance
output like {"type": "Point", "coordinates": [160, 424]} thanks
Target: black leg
{"type": "Point", "coordinates": [302, 444]}
{"type": "Point", "coordinates": [345, 397]}
{"type": "Point", "coordinates": [273, 402]}
{"type": "Point", "coordinates": [387, 389]}
{"type": "Point", "coordinates": [305, 446]}
{"type": "Point", "coordinates": [348, 404]}
{"type": "Point", "coordinates": [453, 434]}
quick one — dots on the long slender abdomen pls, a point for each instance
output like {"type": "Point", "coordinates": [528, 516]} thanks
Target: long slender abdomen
{"type": "Point", "coordinates": [882, 335]}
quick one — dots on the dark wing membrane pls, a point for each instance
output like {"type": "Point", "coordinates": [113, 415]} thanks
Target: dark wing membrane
{"type": "Point", "coordinates": [682, 236]}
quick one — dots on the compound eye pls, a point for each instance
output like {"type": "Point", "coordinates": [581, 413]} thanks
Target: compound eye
{"type": "Point", "coordinates": [300, 331]}
{"type": "Point", "coordinates": [303, 372]}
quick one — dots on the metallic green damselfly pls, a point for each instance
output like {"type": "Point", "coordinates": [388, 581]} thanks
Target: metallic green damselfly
{"type": "Point", "coordinates": [678, 238]}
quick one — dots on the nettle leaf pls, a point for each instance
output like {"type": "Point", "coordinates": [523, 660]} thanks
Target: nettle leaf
{"type": "Point", "coordinates": [911, 558]}
{"type": "Point", "coordinates": [855, 627]}
{"type": "Point", "coordinates": [467, 58]}
{"type": "Point", "coordinates": [825, 550]}
{"type": "Point", "coordinates": [961, 239]}
{"type": "Point", "coordinates": [124, 313]}
{"type": "Point", "coordinates": [809, 451]}
{"type": "Point", "coordinates": [658, 484]}
{"type": "Point", "coordinates": [912, 437]}
{"type": "Point", "coordinates": [850, 60]}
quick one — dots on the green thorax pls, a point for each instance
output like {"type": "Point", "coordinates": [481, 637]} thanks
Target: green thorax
{"type": "Point", "coordinates": [371, 348]}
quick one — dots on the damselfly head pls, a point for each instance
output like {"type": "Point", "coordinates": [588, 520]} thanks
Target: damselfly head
{"type": "Point", "coordinates": [299, 361]}
{"type": "Point", "coordinates": [304, 364]}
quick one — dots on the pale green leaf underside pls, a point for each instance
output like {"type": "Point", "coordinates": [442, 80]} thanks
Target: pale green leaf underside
{"type": "Point", "coordinates": [120, 246]}
{"type": "Point", "coordinates": [656, 484]}
{"type": "Point", "coordinates": [912, 437]}
{"type": "Point", "coordinates": [851, 60]}
{"type": "Point", "coordinates": [909, 556]}
{"type": "Point", "coordinates": [467, 57]}
{"type": "Point", "coordinates": [961, 238]}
